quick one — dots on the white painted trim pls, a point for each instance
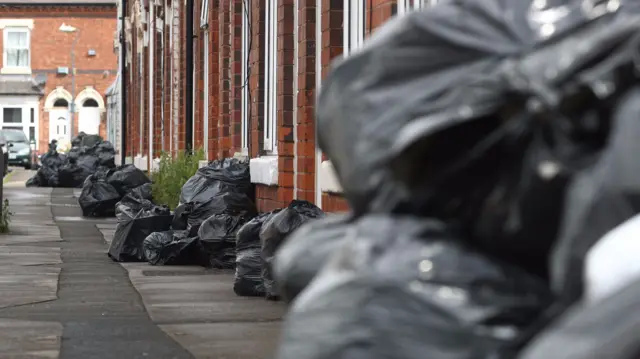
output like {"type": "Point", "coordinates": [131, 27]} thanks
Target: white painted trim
{"type": "Point", "coordinates": [25, 104]}
{"type": "Point", "coordinates": [295, 99]}
{"type": "Point", "coordinates": [264, 170]}
{"type": "Point", "coordinates": [245, 40]}
{"type": "Point", "coordinates": [15, 71]}
{"type": "Point", "coordinates": [270, 126]}
{"type": "Point", "coordinates": [328, 179]}
{"type": "Point", "coordinates": [58, 93]}
{"type": "Point", "coordinates": [353, 20]}
{"type": "Point", "coordinates": [151, 75]}
{"type": "Point", "coordinates": [205, 105]}
{"type": "Point", "coordinates": [28, 23]}
{"type": "Point", "coordinates": [318, 157]}
{"type": "Point", "coordinates": [90, 93]}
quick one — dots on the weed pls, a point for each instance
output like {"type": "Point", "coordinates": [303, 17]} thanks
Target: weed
{"type": "Point", "coordinates": [5, 217]}
{"type": "Point", "coordinates": [172, 174]}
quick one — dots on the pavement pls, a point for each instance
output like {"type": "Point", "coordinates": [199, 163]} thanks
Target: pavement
{"type": "Point", "coordinates": [62, 297]}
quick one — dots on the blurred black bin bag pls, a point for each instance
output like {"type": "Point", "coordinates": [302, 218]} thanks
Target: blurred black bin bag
{"type": "Point", "coordinates": [306, 251]}
{"type": "Point", "coordinates": [136, 221]}
{"type": "Point", "coordinates": [173, 248]}
{"type": "Point", "coordinates": [274, 232]}
{"type": "Point", "coordinates": [126, 178]}
{"type": "Point", "coordinates": [248, 278]}
{"type": "Point", "coordinates": [403, 287]}
{"type": "Point", "coordinates": [605, 329]}
{"type": "Point", "coordinates": [98, 198]}
{"type": "Point", "coordinates": [499, 125]}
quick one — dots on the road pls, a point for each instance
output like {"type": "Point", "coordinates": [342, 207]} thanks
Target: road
{"type": "Point", "coordinates": [61, 297]}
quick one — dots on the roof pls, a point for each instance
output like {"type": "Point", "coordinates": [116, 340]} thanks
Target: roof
{"type": "Point", "coordinates": [12, 85]}
{"type": "Point", "coordinates": [58, 2]}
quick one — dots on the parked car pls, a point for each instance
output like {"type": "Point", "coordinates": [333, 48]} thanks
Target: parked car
{"type": "Point", "coordinates": [19, 148]}
{"type": "Point", "coordinates": [5, 153]}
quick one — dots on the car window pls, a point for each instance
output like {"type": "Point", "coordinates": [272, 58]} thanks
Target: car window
{"type": "Point", "coordinates": [14, 136]}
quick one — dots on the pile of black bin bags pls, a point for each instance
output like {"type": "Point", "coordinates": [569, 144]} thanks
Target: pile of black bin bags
{"type": "Point", "coordinates": [88, 154]}
{"type": "Point", "coordinates": [483, 156]}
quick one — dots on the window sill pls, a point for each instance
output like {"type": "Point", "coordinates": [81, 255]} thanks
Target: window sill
{"type": "Point", "coordinates": [327, 179]}
{"type": "Point", "coordinates": [15, 71]}
{"type": "Point", "coordinates": [264, 170]}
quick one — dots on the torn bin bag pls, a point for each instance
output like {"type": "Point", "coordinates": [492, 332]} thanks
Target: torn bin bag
{"type": "Point", "coordinates": [135, 223]}
{"type": "Point", "coordinates": [218, 236]}
{"type": "Point", "coordinates": [173, 248]}
{"type": "Point", "coordinates": [275, 231]}
{"type": "Point", "coordinates": [98, 198]}
{"type": "Point", "coordinates": [306, 251]}
{"type": "Point", "coordinates": [248, 278]}
{"type": "Point", "coordinates": [228, 175]}
{"type": "Point", "coordinates": [403, 287]}
{"type": "Point", "coordinates": [126, 178]}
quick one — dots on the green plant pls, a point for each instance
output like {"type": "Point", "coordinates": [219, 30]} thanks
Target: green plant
{"type": "Point", "coordinates": [172, 174]}
{"type": "Point", "coordinates": [5, 217]}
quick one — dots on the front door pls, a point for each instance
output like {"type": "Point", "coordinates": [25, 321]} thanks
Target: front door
{"type": "Point", "coordinates": [59, 126]}
{"type": "Point", "coordinates": [89, 120]}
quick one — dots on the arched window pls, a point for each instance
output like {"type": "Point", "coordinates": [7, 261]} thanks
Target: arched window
{"type": "Point", "coordinates": [90, 103]}
{"type": "Point", "coordinates": [61, 103]}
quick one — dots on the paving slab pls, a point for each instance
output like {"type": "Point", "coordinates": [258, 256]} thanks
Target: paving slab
{"type": "Point", "coordinates": [227, 340]}
{"type": "Point", "coordinates": [29, 255]}
{"type": "Point", "coordinates": [198, 298]}
{"type": "Point", "coordinates": [20, 285]}
{"type": "Point", "coordinates": [21, 339]}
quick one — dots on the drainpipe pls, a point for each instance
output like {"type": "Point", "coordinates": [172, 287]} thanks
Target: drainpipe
{"type": "Point", "coordinates": [188, 141]}
{"type": "Point", "coordinates": [123, 87]}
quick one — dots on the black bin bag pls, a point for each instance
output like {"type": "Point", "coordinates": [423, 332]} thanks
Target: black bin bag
{"type": "Point", "coordinates": [306, 251]}
{"type": "Point", "coordinates": [221, 176]}
{"type": "Point", "coordinates": [218, 236]}
{"type": "Point", "coordinates": [126, 178]}
{"type": "Point", "coordinates": [189, 216]}
{"type": "Point", "coordinates": [499, 126]}
{"type": "Point", "coordinates": [137, 219]}
{"type": "Point", "coordinates": [173, 248]}
{"type": "Point", "coordinates": [403, 287]}
{"type": "Point", "coordinates": [248, 277]}
{"type": "Point", "coordinates": [605, 329]}
{"type": "Point", "coordinates": [98, 198]}
{"type": "Point", "coordinates": [275, 231]}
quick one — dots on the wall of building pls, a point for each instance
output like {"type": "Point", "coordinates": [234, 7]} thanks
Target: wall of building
{"type": "Point", "coordinates": [51, 48]}
{"type": "Point", "coordinates": [253, 98]}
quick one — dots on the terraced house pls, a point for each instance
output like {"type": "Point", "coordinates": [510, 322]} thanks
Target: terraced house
{"type": "Point", "coordinates": [58, 60]}
{"type": "Point", "coordinates": [239, 78]}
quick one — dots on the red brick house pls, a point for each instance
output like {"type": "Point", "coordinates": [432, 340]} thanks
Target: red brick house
{"type": "Point", "coordinates": [36, 78]}
{"type": "Point", "coordinates": [239, 78]}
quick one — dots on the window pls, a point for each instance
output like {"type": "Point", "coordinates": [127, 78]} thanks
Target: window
{"type": "Point", "coordinates": [408, 5]}
{"type": "Point", "coordinates": [246, 48]}
{"type": "Point", "coordinates": [61, 103]}
{"type": "Point", "coordinates": [32, 112]}
{"type": "Point", "coordinates": [90, 103]}
{"type": "Point", "coordinates": [16, 48]}
{"type": "Point", "coordinates": [12, 115]}
{"type": "Point", "coordinates": [270, 78]}
{"type": "Point", "coordinates": [32, 133]}
{"type": "Point", "coordinates": [353, 34]}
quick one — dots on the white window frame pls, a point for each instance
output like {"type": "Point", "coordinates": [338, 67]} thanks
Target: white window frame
{"type": "Point", "coordinates": [16, 69]}
{"type": "Point", "coordinates": [405, 6]}
{"type": "Point", "coordinates": [245, 40]}
{"type": "Point", "coordinates": [270, 128]}
{"type": "Point", "coordinates": [353, 25]}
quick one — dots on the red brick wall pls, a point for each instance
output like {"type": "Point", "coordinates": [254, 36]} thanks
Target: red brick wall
{"type": "Point", "coordinates": [214, 78]}
{"type": "Point", "coordinates": [224, 95]}
{"type": "Point", "coordinates": [51, 48]}
{"type": "Point", "coordinates": [182, 118]}
{"type": "Point", "coordinates": [237, 86]}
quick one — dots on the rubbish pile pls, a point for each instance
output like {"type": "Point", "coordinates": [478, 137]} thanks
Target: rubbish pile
{"type": "Point", "coordinates": [482, 158]}
{"type": "Point", "coordinates": [105, 188]}
{"type": "Point", "coordinates": [88, 155]}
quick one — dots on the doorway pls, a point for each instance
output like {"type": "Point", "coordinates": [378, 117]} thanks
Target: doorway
{"type": "Point", "coordinates": [89, 119]}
